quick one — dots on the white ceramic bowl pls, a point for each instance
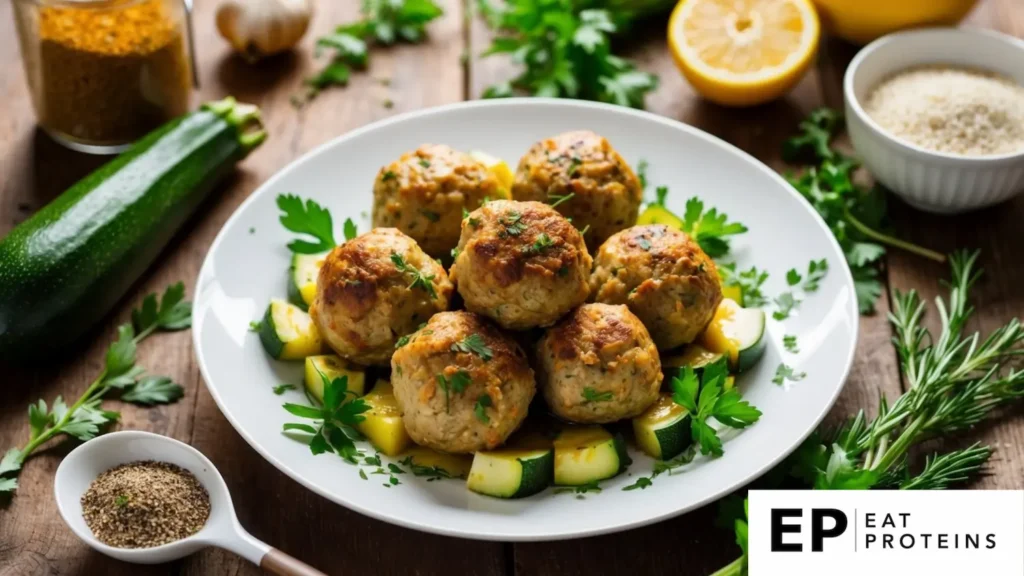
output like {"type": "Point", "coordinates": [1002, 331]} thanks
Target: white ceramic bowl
{"type": "Point", "coordinates": [933, 181]}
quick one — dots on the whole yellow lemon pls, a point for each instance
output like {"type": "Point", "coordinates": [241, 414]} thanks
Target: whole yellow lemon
{"type": "Point", "coordinates": [861, 21]}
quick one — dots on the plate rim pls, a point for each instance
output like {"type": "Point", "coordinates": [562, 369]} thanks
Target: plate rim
{"type": "Point", "coordinates": [547, 536]}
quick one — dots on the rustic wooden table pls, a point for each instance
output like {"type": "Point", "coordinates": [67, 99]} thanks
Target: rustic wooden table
{"type": "Point", "coordinates": [33, 539]}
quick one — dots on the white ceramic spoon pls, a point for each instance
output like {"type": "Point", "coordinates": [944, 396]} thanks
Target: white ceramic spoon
{"type": "Point", "coordinates": [222, 529]}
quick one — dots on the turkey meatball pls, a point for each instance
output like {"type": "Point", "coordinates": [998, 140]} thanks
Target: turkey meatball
{"type": "Point", "coordinates": [606, 194]}
{"type": "Point", "coordinates": [373, 290]}
{"type": "Point", "coordinates": [522, 264]}
{"type": "Point", "coordinates": [424, 192]}
{"type": "Point", "coordinates": [665, 279]}
{"type": "Point", "coordinates": [461, 384]}
{"type": "Point", "coordinates": [598, 364]}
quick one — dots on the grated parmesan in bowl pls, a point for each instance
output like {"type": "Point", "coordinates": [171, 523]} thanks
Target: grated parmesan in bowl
{"type": "Point", "coordinates": [953, 110]}
{"type": "Point", "coordinates": [937, 116]}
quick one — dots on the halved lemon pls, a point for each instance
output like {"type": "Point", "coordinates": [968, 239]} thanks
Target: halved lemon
{"type": "Point", "coordinates": [743, 52]}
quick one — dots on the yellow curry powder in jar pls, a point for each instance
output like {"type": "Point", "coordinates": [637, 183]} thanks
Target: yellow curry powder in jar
{"type": "Point", "coordinates": [103, 73]}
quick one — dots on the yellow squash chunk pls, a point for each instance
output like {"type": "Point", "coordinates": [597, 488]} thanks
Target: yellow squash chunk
{"type": "Point", "coordinates": [498, 167]}
{"type": "Point", "coordinates": [383, 425]}
{"type": "Point", "coordinates": [332, 367]}
{"type": "Point", "coordinates": [288, 333]}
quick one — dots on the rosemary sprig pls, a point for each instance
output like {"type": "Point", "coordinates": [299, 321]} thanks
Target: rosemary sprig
{"type": "Point", "coordinates": [954, 381]}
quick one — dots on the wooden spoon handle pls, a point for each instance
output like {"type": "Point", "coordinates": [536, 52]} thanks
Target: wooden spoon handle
{"type": "Point", "coordinates": [277, 562]}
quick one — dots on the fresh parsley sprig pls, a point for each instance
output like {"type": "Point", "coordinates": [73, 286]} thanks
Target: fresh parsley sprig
{"type": "Point", "coordinates": [310, 219]}
{"type": "Point", "coordinates": [86, 418]}
{"type": "Point", "coordinates": [853, 214]}
{"type": "Point", "coordinates": [749, 282]}
{"type": "Point", "coordinates": [565, 51]}
{"type": "Point", "coordinates": [334, 430]}
{"type": "Point", "coordinates": [591, 395]}
{"type": "Point", "coordinates": [709, 228]}
{"type": "Point", "coordinates": [704, 399]}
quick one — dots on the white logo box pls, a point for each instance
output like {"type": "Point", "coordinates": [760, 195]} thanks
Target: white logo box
{"type": "Point", "coordinates": [932, 533]}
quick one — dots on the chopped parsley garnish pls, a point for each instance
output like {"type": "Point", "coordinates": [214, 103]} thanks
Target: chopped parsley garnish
{"type": "Point", "coordinates": [580, 490]}
{"type": "Point", "coordinates": [432, 473]}
{"type": "Point", "coordinates": [403, 341]}
{"type": "Point", "coordinates": [512, 221]}
{"type": "Point", "coordinates": [749, 282]}
{"type": "Point", "coordinates": [465, 213]}
{"type": "Point", "coordinates": [424, 162]}
{"type": "Point", "coordinates": [785, 303]}
{"type": "Point", "coordinates": [540, 244]}
{"type": "Point", "coordinates": [563, 272]}
{"type": "Point", "coordinates": [591, 395]}
{"type": "Point", "coordinates": [641, 483]}
{"type": "Point", "coordinates": [480, 408]}
{"type": "Point", "coordinates": [419, 280]}
{"type": "Point", "coordinates": [660, 193]}
{"type": "Point", "coordinates": [350, 229]}
{"type": "Point", "coordinates": [388, 175]}
{"type": "Point", "coordinates": [432, 216]}
{"type": "Point", "coordinates": [456, 384]}
{"type": "Point", "coordinates": [121, 501]}
{"type": "Point", "coordinates": [281, 389]}
{"type": "Point", "coordinates": [455, 252]}
{"type": "Point", "coordinates": [574, 165]}
{"type": "Point", "coordinates": [789, 343]}
{"type": "Point", "coordinates": [585, 230]}
{"type": "Point", "coordinates": [560, 199]}
{"type": "Point", "coordinates": [474, 344]}
{"type": "Point", "coordinates": [816, 271]}
{"type": "Point", "coordinates": [785, 372]}
{"type": "Point", "coordinates": [474, 222]}
{"type": "Point", "coordinates": [641, 173]}
{"type": "Point", "coordinates": [645, 244]}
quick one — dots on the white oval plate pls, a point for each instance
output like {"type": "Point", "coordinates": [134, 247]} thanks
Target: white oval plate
{"type": "Point", "coordinates": [248, 262]}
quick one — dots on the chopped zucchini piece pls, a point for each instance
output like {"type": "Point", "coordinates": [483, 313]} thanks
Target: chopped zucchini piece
{"type": "Point", "coordinates": [522, 468]}
{"type": "Point", "coordinates": [663, 431]}
{"type": "Point", "coordinates": [655, 214]}
{"type": "Point", "coordinates": [586, 454]}
{"type": "Point", "coordinates": [288, 333]}
{"type": "Point", "coordinates": [426, 462]}
{"type": "Point", "coordinates": [383, 425]}
{"type": "Point", "coordinates": [738, 333]}
{"type": "Point", "coordinates": [499, 168]}
{"type": "Point", "coordinates": [302, 278]}
{"type": "Point", "coordinates": [332, 367]}
{"type": "Point", "coordinates": [694, 355]}
{"type": "Point", "coordinates": [733, 292]}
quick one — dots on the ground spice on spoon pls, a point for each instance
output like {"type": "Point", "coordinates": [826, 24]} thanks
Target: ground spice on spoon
{"type": "Point", "coordinates": [145, 504]}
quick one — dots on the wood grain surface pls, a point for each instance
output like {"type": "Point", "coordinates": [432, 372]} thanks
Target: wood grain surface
{"type": "Point", "coordinates": [34, 541]}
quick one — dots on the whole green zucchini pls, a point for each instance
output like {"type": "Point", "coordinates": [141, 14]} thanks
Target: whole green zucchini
{"type": "Point", "coordinates": [64, 268]}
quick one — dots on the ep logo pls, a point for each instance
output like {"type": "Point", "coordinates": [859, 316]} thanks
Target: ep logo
{"type": "Point", "coordinates": [820, 524]}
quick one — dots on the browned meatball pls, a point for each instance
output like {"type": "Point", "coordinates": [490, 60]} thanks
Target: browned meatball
{"type": "Point", "coordinates": [424, 192]}
{"type": "Point", "coordinates": [598, 364]}
{"type": "Point", "coordinates": [606, 194]}
{"type": "Point", "coordinates": [665, 279]}
{"type": "Point", "coordinates": [522, 264]}
{"type": "Point", "coordinates": [461, 384]}
{"type": "Point", "coordinates": [374, 289]}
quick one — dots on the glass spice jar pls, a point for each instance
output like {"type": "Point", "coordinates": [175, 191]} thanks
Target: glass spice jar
{"type": "Point", "coordinates": [103, 73]}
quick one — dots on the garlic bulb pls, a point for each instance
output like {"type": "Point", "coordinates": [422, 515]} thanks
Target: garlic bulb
{"type": "Point", "coordinates": [258, 28]}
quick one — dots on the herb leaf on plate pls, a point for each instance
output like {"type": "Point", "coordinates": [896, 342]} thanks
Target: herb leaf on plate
{"type": "Point", "coordinates": [310, 219]}
{"type": "Point", "coordinates": [704, 399]}
{"type": "Point", "coordinates": [334, 429]}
